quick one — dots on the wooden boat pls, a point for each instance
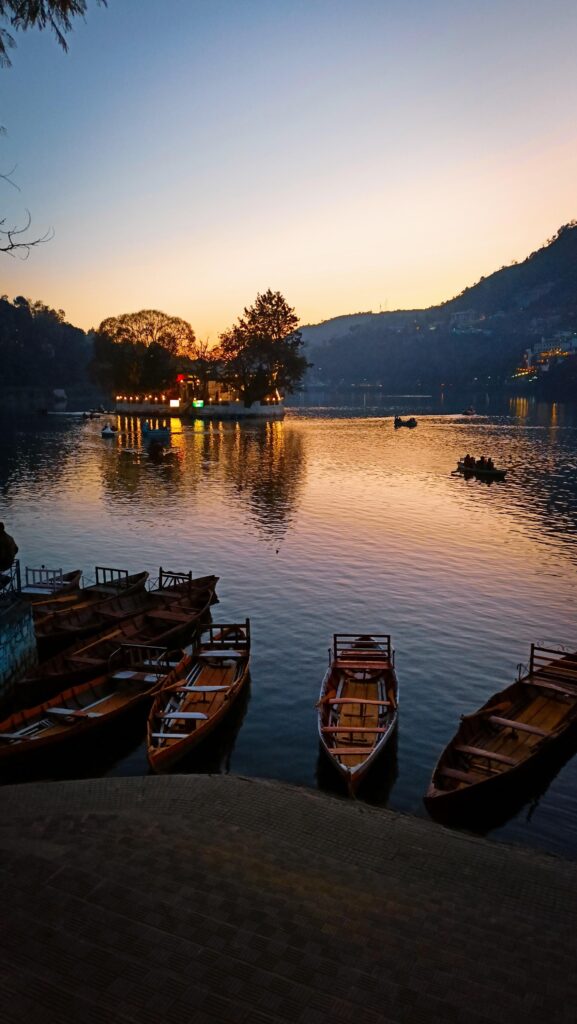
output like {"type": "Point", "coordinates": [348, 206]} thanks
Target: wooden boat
{"type": "Point", "coordinates": [357, 708]}
{"type": "Point", "coordinates": [504, 738]}
{"type": "Point", "coordinates": [43, 583]}
{"type": "Point", "coordinates": [481, 471]}
{"type": "Point", "coordinates": [163, 621]}
{"type": "Point", "coordinates": [63, 628]}
{"type": "Point", "coordinates": [399, 422]}
{"type": "Point", "coordinates": [184, 713]}
{"type": "Point", "coordinates": [136, 675]}
{"type": "Point", "coordinates": [109, 583]}
{"type": "Point", "coordinates": [469, 411]}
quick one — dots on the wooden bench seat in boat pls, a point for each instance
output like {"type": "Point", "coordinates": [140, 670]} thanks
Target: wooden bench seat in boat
{"type": "Point", "coordinates": [359, 700]}
{"type": "Point", "coordinates": [170, 616]}
{"type": "Point", "coordinates": [520, 726]}
{"type": "Point", "coordinates": [221, 654]}
{"type": "Point", "coordinates": [356, 666]}
{"type": "Point", "coordinates": [73, 713]}
{"type": "Point", "coordinates": [137, 677]}
{"type": "Point", "coordinates": [492, 755]}
{"type": "Point", "coordinates": [342, 751]}
{"type": "Point", "coordinates": [352, 728]}
{"type": "Point", "coordinates": [201, 689]}
{"type": "Point", "coordinates": [184, 714]}
{"type": "Point", "coordinates": [555, 687]}
{"type": "Point", "coordinates": [459, 776]}
{"type": "Point", "coordinates": [85, 660]}
{"type": "Point", "coordinates": [169, 735]}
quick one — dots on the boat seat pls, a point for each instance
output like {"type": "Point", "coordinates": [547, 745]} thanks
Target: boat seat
{"type": "Point", "coordinates": [352, 728]}
{"type": "Point", "coordinates": [342, 751]}
{"type": "Point", "coordinates": [73, 712]}
{"type": "Point", "coordinates": [184, 714]}
{"type": "Point", "coordinates": [518, 726]}
{"type": "Point", "coordinates": [12, 736]}
{"type": "Point", "coordinates": [169, 735]}
{"type": "Point", "coordinates": [359, 700]}
{"type": "Point", "coordinates": [555, 687]}
{"type": "Point", "coordinates": [85, 660]}
{"type": "Point", "coordinates": [160, 664]}
{"type": "Point", "coordinates": [492, 755]}
{"type": "Point", "coordinates": [201, 689]}
{"type": "Point", "coordinates": [222, 654]}
{"type": "Point", "coordinates": [160, 613]}
{"type": "Point", "coordinates": [454, 773]}
{"type": "Point", "coordinates": [135, 676]}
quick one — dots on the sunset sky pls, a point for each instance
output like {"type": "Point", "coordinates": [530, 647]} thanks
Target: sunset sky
{"type": "Point", "coordinates": [353, 154]}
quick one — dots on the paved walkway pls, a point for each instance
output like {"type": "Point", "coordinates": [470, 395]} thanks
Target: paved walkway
{"type": "Point", "coordinates": [197, 900]}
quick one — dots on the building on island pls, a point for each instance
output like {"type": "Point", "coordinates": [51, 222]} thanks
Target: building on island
{"type": "Point", "coordinates": [207, 399]}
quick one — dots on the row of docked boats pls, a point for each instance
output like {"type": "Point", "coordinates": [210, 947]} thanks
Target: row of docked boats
{"type": "Point", "coordinates": [191, 672]}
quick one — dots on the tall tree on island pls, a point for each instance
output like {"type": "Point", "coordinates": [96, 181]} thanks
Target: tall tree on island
{"type": "Point", "coordinates": [142, 350]}
{"type": "Point", "coordinates": [262, 353]}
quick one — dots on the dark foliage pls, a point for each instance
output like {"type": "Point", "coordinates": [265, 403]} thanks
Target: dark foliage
{"type": "Point", "coordinates": [142, 351]}
{"type": "Point", "coordinates": [25, 14]}
{"type": "Point", "coordinates": [38, 347]}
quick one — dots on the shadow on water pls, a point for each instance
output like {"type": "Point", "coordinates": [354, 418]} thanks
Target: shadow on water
{"type": "Point", "coordinates": [376, 786]}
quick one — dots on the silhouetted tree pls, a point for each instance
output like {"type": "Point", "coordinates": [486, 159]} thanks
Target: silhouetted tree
{"type": "Point", "coordinates": [261, 353]}
{"type": "Point", "coordinates": [25, 14]}
{"type": "Point", "coordinates": [141, 350]}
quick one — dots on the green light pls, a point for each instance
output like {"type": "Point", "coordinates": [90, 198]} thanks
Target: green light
{"type": "Point", "coordinates": [198, 403]}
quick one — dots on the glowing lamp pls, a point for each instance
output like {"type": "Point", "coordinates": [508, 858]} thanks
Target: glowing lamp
{"type": "Point", "coordinates": [197, 403]}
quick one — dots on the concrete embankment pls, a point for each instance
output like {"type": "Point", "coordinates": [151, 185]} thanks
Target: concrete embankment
{"type": "Point", "coordinates": [221, 899]}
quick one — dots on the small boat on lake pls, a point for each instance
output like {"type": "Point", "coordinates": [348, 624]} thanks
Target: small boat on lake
{"type": "Point", "coordinates": [357, 708]}
{"type": "Point", "coordinates": [185, 712]}
{"type": "Point", "coordinates": [108, 583]}
{"type": "Point", "coordinates": [136, 675]}
{"type": "Point", "coordinates": [506, 737]}
{"type": "Point", "coordinates": [399, 422]}
{"type": "Point", "coordinates": [109, 431]}
{"type": "Point", "coordinates": [485, 472]}
{"type": "Point", "coordinates": [469, 411]}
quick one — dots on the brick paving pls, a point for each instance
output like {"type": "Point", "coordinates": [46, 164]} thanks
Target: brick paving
{"type": "Point", "coordinates": [209, 900]}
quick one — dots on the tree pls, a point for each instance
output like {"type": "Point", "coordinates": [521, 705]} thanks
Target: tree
{"type": "Point", "coordinates": [22, 15]}
{"type": "Point", "coordinates": [25, 14]}
{"type": "Point", "coordinates": [151, 327]}
{"type": "Point", "coordinates": [141, 350]}
{"type": "Point", "coordinates": [261, 353]}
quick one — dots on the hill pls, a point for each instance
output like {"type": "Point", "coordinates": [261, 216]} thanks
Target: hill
{"type": "Point", "coordinates": [478, 336]}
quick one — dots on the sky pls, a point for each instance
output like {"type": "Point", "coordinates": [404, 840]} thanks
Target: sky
{"type": "Point", "coordinates": [353, 154]}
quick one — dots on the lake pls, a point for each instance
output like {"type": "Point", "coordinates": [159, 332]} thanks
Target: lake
{"type": "Point", "coordinates": [332, 521]}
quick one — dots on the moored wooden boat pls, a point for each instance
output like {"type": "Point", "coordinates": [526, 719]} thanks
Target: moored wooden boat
{"type": "Point", "coordinates": [481, 471]}
{"type": "Point", "coordinates": [163, 621]}
{"type": "Point", "coordinates": [184, 713]}
{"type": "Point", "coordinates": [135, 676]}
{"type": "Point", "coordinates": [357, 708]}
{"type": "Point", "coordinates": [506, 737]}
{"type": "Point", "coordinates": [69, 625]}
{"type": "Point", "coordinates": [42, 584]}
{"type": "Point", "coordinates": [108, 583]}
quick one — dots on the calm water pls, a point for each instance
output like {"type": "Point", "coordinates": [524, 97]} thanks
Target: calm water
{"type": "Point", "coordinates": [332, 521]}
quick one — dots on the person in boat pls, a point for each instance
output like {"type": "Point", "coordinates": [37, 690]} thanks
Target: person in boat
{"type": "Point", "coordinates": [468, 460]}
{"type": "Point", "coordinates": [481, 463]}
{"type": "Point", "coordinates": [8, 549]}
{"type": "Point", "coordinates": [490, 464]}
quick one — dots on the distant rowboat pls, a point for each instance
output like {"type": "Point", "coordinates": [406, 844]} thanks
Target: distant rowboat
{"type": "Point", "coordinates": [481, 471]}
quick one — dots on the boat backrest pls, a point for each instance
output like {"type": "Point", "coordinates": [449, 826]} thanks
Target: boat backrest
{"type": "Point", "coordinates": [52, 579]}
{"type": "Point", "coordinates": [168, 580]}
{"type": "Point", "coordinates": [361, 646]}
{"type": "Point", "coordinates": [553, 663]}
{"type": "Point", "coordinates": [229, 639]}
{"type": "Point", "coordinates": [105, 575]}
{"type": "Point", "coordinates": [156, 659]}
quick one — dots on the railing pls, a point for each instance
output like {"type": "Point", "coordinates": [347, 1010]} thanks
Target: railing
{"type": "Point", "coordinates": [105, 575]}
{"type": "Point", "coordinates": [221, 635]}
{"type": "Point", "coordinates": [156, 659]}
{"type": "Point", "coordinates": [363, 645]}
{"type": "Point", "coordinates": [169, 580]}
{"type": "Point", "coordinates": [52, 579]}
{"type": "Point", "coordinates": [554, 663]}
{"type": "Point", "coordinates": [10, 583]}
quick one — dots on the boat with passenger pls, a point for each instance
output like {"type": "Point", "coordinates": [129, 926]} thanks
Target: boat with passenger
{"type": "Point", "coordinates": [484, 468]}
{"type": "Point", "coordinates": [400, 422]}
{"type": "Point", "coordinates": [186, 712]}
{"type": "Point", "coordinates": [357, 707]}
{"type": "Point", "coordinates": [508, 735]}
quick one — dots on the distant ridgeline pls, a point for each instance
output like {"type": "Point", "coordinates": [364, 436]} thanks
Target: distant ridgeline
{"type": "Point", "coordinates": [481, 337]}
